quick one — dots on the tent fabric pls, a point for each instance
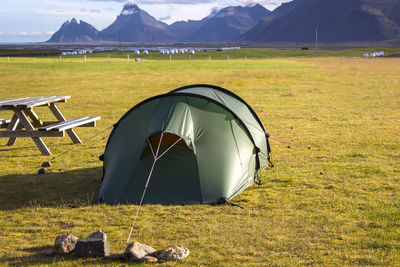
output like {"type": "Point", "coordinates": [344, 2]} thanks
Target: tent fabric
{"type": "Point", "coordinates": [221, 154]}
{"type": "Point", "coordinates": [239, 107]}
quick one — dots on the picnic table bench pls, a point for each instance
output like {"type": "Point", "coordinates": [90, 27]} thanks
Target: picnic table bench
{"type": "Point", "coordinates": [26, 123]}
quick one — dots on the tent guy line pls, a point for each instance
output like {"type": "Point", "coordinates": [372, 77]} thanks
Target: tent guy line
{"type": "Point", "coordinates": [156, 157]}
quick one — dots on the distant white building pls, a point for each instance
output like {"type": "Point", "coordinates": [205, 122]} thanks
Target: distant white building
{"type": "Point", "coordinates": [137, 52]}
{"type": "Point", "coordinates": [192, 52]}
{"type": "Point", "coordinates": [146, 52]}
{"type": "Point", "coordinates": [366, 55]}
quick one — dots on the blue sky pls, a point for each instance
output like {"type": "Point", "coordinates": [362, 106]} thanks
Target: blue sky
{"type": "Point", "coordinates": [36, 20]}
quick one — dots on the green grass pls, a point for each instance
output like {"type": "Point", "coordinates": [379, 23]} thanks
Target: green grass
{"type": "Point", "coordinates": [331, 199]}
{"type": "Point", "coordinates": [253, 53]}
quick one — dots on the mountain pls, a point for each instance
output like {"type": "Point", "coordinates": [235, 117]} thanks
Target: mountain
{"type": "Point", "coordinates": [74, 32]}
{"type": "Point", "coordinates": [224, 25]}
{"type": "Point", "coordinates": [337, 21]}
{"type": "Point", "coordinates": [136, 25]}
{"type": "Point", "coordinates": [185, 29]}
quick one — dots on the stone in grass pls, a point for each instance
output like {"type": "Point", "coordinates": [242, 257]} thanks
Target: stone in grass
{"type": "Point", "coordinates": [98, 235]}
{"type": "Point", "coordinates": [95, 245]}
{"type": "Point", "coordinates": [171, 254]}
{"type": "Point", "coordinates": [149, 259]}
{"type": "Point", "coordinates": [41, 171]}
{"type": "Point", "coordinates": [136, 251]}
{"type": "Point", "coordinates": [65, 244]}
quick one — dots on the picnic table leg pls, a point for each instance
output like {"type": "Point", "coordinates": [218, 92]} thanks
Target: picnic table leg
{"type": "Point", "coordinates": [14, 124]}
{"type": "Point", "coordinates": [28, 126]}
{"type": "Point", "coordinates": [34, 117]}
{"type": "Point", "coordinates": [60, 117]}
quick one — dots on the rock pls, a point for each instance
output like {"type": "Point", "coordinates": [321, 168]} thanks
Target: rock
{"type": "Point", "coordinates": [41, 171]}
{"type": "Point", "coordinates": [92, 247]}
{"type": "Point", "coordinates": [149, 259]}
{"type": "Point", "coordinates": [46, 164]}
{"type": "Point", "coordinates": [171, 254]}
{"type": "Point", "coordinates": [136, 251]}
{"type": "Point", "coordinates": [97, 235]}
{"type": "Point", "coordinates": [65, 244]}
{"type": "Point", "coordinates": [50, 251]}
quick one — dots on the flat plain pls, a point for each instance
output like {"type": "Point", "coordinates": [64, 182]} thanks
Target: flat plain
{"type": "Point", "coordinates": [332, 197]}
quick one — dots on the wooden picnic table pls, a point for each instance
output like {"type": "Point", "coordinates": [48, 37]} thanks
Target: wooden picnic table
{"type": "Point", "coordinates": [26, 123]}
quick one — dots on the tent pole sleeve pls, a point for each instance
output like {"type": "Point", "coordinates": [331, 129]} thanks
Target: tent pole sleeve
{"type": "Point", "coordinates": [158, 148]}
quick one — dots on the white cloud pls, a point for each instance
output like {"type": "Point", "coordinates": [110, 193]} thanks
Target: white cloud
{"type": "Point", "coordinates": [72, 12]}
{"type": "Point", "coordinates": [165, 18]}
{"type": "Point", "coordinates": [128, 12]}
{"type": "Point", "coordinates": [28, 34]}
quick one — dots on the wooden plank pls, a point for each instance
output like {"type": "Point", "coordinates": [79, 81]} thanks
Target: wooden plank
{"type": "Point", "coordinates": [30, 133]}
{"type": "Point", "coordinates": [43, 101]}
{"type": "Point", "coordinates": [34, 101]}
{"type": "Point", "coordinates": [53, 100]}
{"type": "Point", "coordinates": [48, 123]}
{"type": "Point", "coordinates": [5, 122]}
{"type": "Point", "coordinates": [11, 104]}
{"type": "Point", "coordinates": [75, 124]}
{"type": "Point", "coordinates": [60, 117]}
{"type": "Point", "coordinates": [29, 127]}
{"type": "Point", "coordinates": [2, 102]}
{"type": "Point", "coordinates": [14, 124]}
{"type": "Point", "coordinates": [61, 124]}
{"type": "Point", "coordinates": [34, 117]}
{"type": "Point", "coordinates": [39, 102]}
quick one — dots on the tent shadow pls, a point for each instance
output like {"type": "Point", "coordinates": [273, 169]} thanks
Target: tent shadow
{"type": "Point", "coordinates": [55, 189]}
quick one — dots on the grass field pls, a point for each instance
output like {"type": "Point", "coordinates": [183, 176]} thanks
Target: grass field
{"type": "Point", "coordinates": [331, 199]}
{"type": "Point", "coordinates": [254, 53]}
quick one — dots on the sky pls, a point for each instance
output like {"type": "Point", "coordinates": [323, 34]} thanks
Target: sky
{"type": "Point", "coordinates": [37, 20]}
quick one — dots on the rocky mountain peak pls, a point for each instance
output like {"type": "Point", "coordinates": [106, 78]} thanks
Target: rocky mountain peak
{"type": "Point", "coordinates": [130, 9]}
{"type": "Point", "coordinates": [72, 32]}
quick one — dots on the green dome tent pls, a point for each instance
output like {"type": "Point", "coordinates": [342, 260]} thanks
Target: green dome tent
{"type": "Point", "coordinates": [196, 144]}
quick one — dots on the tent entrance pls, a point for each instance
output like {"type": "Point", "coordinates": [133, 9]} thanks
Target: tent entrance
{"type": "Point", "coordinates": [166, 139]}
{"type": "Point", "coordinates": [172, 178]}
